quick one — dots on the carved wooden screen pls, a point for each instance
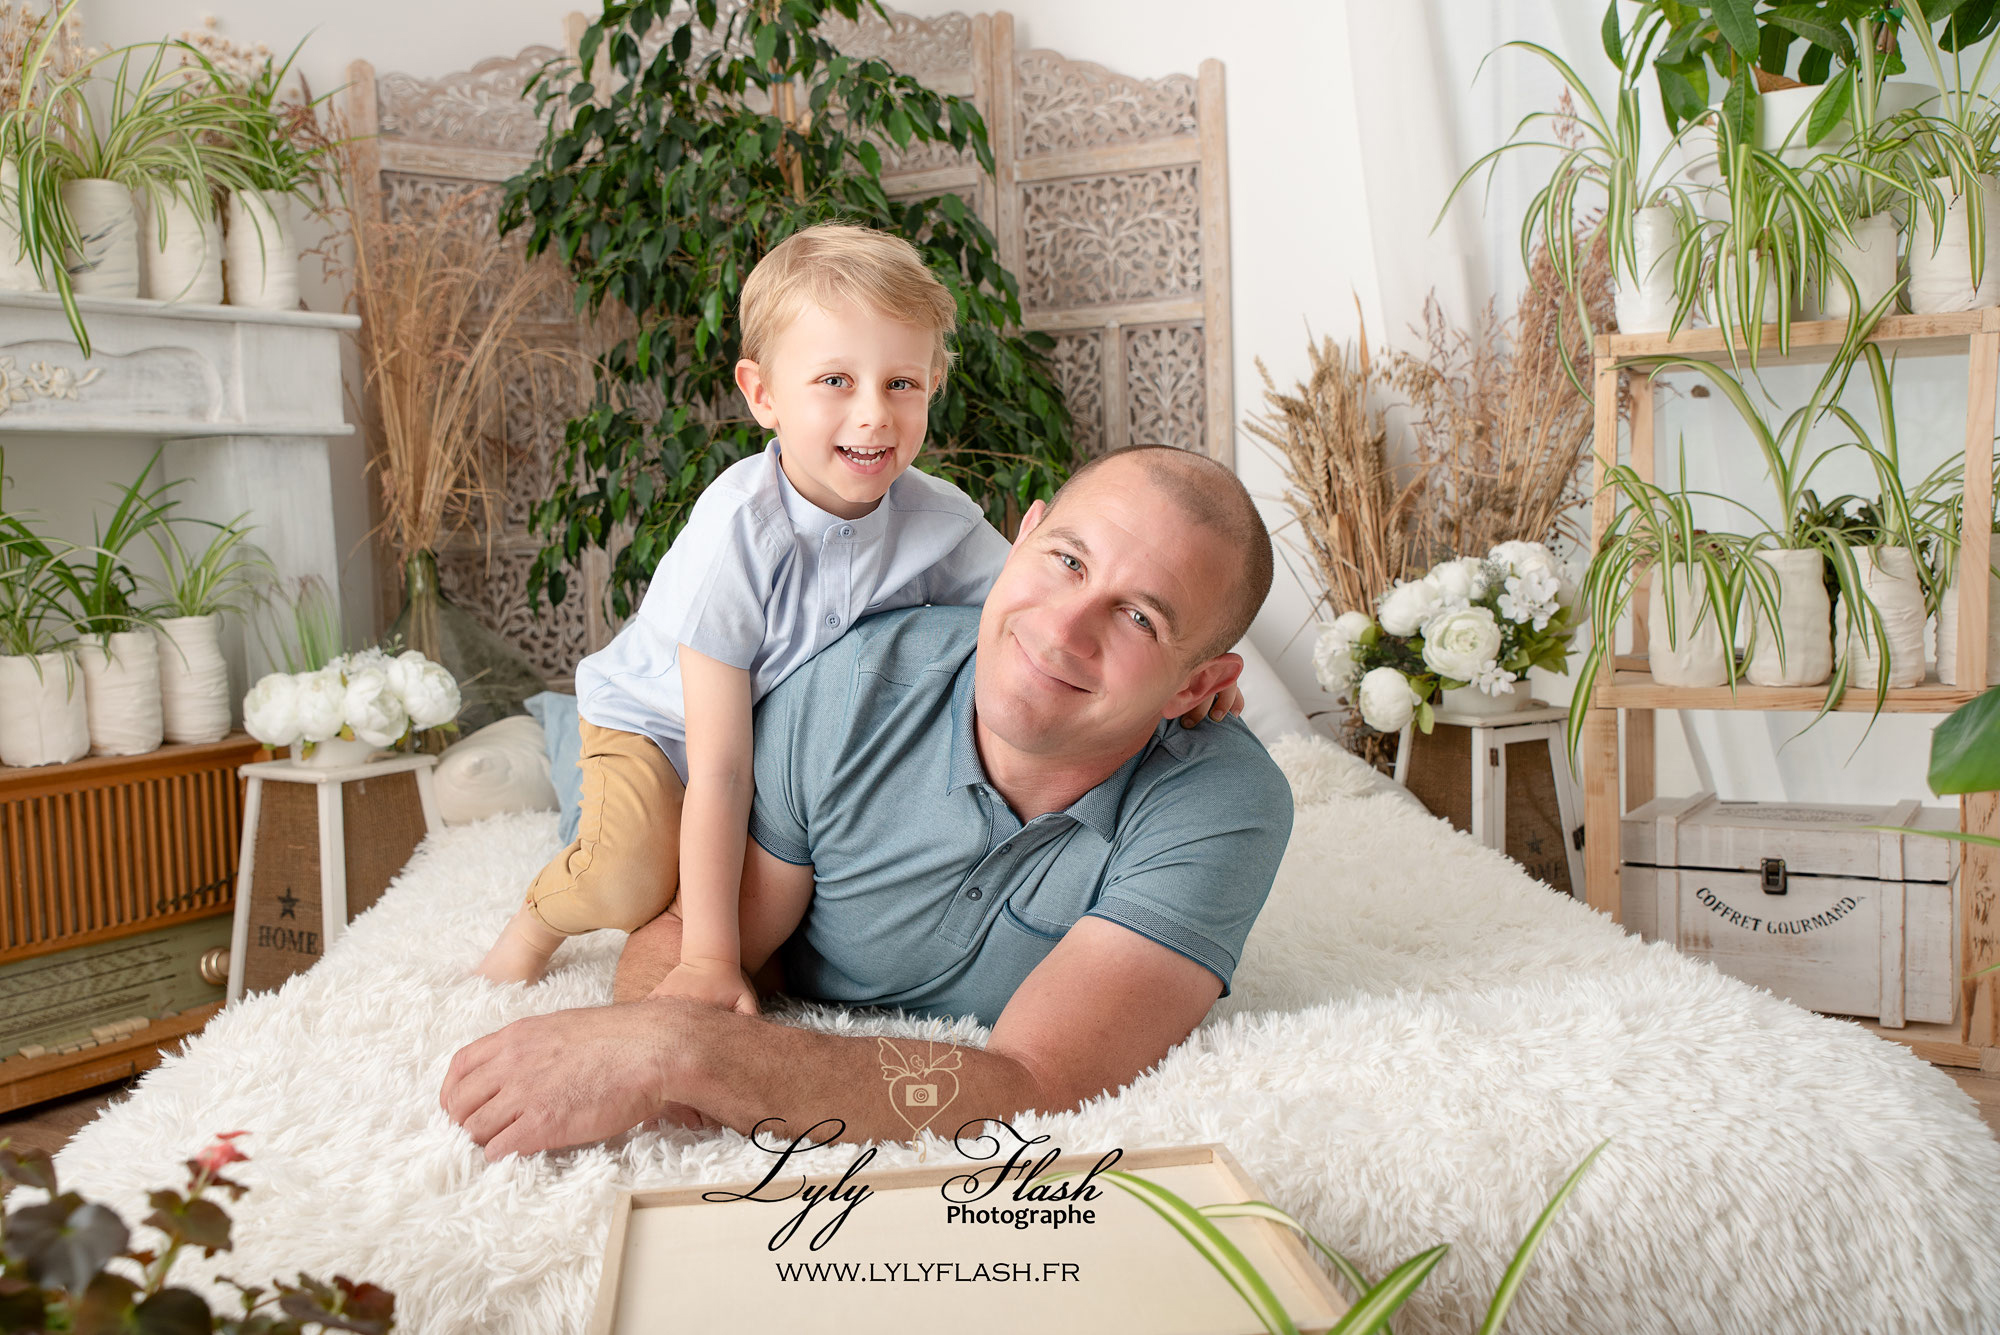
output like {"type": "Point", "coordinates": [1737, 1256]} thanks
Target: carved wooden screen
{"type": "Point", "coordinates": [1109, 200]}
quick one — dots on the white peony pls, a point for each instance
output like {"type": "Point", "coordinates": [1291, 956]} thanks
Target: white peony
{"type": "Point", "coordinates": [1409, 605]}
{"type": "Point", "coordinates": [1460, 582]}
{"type": "Point", "coordinates": [1527, 558]}
{"type": "Point", "coordinates": [1333, 661]}
{"type": "Point", "coordinates": [427, 690]}
{"type": "Point", "coordinates": [374, 711]}
{"type": "Point", "coordinates": [321, 702]}
{"type": "Point", "coordinates": [271, 710]}
{"type": "Point", "coordinates": [364, 658]}
{"type": "Point", "coordinates": [1386, 699]}
{"type": "Point", "coordinates": [1461, 644]}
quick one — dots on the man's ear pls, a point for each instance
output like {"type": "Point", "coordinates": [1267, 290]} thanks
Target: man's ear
{"type": "Point", "coordinates": [1217, 674]}
{"type": "Point", "coordinates": [750, 379]}
{"type": "Point", "coordinates": [1028, 522]}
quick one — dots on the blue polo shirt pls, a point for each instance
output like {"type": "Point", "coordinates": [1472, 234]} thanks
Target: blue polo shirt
{"type": "Point", "coordinates": [929, 894]}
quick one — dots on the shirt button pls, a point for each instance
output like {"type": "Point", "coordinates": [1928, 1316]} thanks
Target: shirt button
{"type": "Point", "coordinates": [973, 893]}
{"type": "Point", "coordinates": [833, 618]}
{"type": "Point", "coordinates": [847, 530]}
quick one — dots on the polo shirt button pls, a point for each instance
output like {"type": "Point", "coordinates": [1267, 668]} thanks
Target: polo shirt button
{"type": "Point", "coordinates": [973, 893]}
{"type": "Point", "coordinates": [847, 530]}
{"type": "Point", "coordinates": [833, 618]}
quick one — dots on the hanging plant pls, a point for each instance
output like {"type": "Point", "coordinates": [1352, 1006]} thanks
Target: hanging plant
{"type": "Point", "coordinates": [669, 168]}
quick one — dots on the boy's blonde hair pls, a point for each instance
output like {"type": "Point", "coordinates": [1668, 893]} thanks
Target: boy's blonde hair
{"type": "Point", "coordinates": [836, 263]}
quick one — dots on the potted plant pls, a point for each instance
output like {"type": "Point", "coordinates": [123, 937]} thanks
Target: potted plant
{"type": "Point", "coordinates": [1952, 157]}
{"type": "Point", "coordinates": [117, 652]}
{"type": "Point", "coordinates": [42, 715]}
{"type": "Point", "coordinates": [42, 50]}
{"type": "Point", "coordinates": [360, 703]}
{"type": "Point", "coordinates": [1940, 511]}
{"type": "Point", "coordinates": [196, 589]}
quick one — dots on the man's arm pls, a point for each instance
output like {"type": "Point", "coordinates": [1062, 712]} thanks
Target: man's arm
{"type": "Point", "coordinates": [1104, 1005]}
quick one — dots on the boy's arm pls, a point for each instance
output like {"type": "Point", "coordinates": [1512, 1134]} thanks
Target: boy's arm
{"type": "Point", "coordinates": [715, 818]}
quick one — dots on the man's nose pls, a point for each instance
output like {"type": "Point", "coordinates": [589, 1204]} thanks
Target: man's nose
{"type": "Point", "coordinates": [1069, 621]}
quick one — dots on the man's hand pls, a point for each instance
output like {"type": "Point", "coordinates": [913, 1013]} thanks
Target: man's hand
{"type": "Point", "coordinates": [569, 1078]}
{"type": "Point", "coordinates": [718, 983]}
{"type": "Point", "coordinates": [1223, 703]}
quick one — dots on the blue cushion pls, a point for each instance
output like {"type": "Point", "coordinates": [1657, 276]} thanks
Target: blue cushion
{"type": "Point", "coordinates": [557, 713]}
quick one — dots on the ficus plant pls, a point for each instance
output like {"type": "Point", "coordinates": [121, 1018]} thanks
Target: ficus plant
{"type": "Point", "coordinates": [683, 145]}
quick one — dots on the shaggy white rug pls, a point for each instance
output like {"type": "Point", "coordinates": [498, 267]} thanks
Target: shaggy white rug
{"type": "Point", "coordinates": [1421, 1045]}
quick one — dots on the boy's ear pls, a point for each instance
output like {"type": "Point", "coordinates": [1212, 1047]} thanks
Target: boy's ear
{"type": "Point", "coordinates": [750, 379]}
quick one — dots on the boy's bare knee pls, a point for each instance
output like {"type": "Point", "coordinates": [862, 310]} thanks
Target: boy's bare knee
{"type": "Point", "coordinates": [650, 954]}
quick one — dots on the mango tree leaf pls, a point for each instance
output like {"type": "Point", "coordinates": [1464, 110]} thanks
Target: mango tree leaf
{"type": "Point", "coordinates": [1965, 749]}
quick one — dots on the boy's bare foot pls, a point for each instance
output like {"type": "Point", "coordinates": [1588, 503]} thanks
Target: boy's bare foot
{"type": "Point", "coordinates": [521, 955]}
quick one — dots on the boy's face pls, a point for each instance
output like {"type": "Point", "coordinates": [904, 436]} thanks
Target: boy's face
{"type": "Point", "coordinates": [847, 392]}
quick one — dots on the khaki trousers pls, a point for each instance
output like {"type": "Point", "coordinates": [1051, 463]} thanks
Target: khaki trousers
{"type": "Point", "coordinates": [624, 867]}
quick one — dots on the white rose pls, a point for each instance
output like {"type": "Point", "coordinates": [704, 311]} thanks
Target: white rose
{"type": "Point", "coordinates": [1460, 582]}
{"type": "Point", "coordinates": [1527, 558]}
{"type": "Point", "coordinates": [1333, 661]}
{"type": "Point", "coordinates": [1461, 644]}
{"type": "Point", "coordinates": [321, 704]}
{"type": "Point", "coordinates": [1409, 605]}
{"type": "Point", "coordinates": [271, 710]}
{"type": "Point", "coordinates": [1386, 700]}
{"type": "Point", "coordinates": [427, 690]}
{"type": "Point", "coordinates": [1351, 626]}
{"type": "Point", "coordinates": [373, 710]}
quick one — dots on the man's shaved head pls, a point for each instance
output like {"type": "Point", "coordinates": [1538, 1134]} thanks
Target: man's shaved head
{"type": "Point", "coordinates": [1208, 494]}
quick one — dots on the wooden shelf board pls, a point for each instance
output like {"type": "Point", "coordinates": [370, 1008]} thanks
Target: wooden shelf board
{"type": "Point", "coordinates": [26, 1080]}
{"type": "Point", "coordinates": [96, 769]}
{"type": "Point", "coordinates": [1811, 341]}
{"type": "Point", "coordinates": [1938, 1044]}
{"type": "Point", "coordinates": [1630, 689]}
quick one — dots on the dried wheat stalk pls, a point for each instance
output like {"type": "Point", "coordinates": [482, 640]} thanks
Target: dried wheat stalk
{"type": "Point", "coordinates": [23, 23]}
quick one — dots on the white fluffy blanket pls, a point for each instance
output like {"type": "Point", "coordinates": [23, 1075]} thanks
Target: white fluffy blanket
{"type": "Point", "coordinates": [1421, 1044]}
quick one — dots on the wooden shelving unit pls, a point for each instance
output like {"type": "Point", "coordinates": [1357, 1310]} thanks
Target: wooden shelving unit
{"type": "Point", "coordinates": [1974, 335]}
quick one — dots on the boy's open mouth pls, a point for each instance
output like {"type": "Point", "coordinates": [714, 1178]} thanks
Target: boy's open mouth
{"type": "Point", "coordinates": [862, 459]}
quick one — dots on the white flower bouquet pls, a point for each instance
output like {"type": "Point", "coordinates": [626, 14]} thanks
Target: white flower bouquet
{"type": "Point", "coordinates": [1471, 621]}
{"type": "Point", "coordinates": [366, 697]}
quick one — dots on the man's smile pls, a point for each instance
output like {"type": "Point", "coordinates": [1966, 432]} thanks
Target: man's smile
{"type": "Point", "coordinates": [1042, 674]}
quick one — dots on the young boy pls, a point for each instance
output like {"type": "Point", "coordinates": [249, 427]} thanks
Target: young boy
{"type": "Point", "coordinates": [843, 349]}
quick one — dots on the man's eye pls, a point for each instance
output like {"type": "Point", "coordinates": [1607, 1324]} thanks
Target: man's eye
{"type": "Point", "coordinates": [1140, 620]}
{"type": "Point", "coordinates": [1070, 562]}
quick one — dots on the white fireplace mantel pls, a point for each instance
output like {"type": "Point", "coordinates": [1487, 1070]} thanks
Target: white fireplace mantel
{"type": "Point", "coordinates": [242, 403]}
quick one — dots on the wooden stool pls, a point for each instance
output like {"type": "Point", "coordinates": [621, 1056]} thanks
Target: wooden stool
{"type": "Point", "coordinates": [1491, 735]}
{"type": "Point", "coordinates": [319, 847]}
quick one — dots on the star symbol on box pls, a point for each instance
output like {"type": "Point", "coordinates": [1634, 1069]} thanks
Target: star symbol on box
{"type": "Point", "coordinates": [288, 904]}
{"type": "Point", "coordinates": [1534, 843]}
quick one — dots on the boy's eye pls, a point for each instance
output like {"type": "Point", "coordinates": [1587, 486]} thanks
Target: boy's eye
{"type": "Point", "coordinates": [829, 379]}
{"type": "Point", "coordinates": [902, 382]}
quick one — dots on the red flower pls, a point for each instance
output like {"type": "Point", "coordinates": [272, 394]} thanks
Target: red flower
{"type": "Point", "coordinates": [221, 1154]}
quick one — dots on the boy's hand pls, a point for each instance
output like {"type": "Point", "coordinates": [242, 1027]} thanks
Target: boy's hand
{"type": "Point", "coordinates": [1227, 701]}
{"type": "Point", "coordinates": [718, 983]}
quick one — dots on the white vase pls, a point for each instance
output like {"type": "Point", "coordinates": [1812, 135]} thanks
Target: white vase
{"type": "Point", "coordinates": [1644, 304]}
{"type": "Point", "coordinates": [1941, 267]}
{"type": "Point", "coordinates": [121, 690]}
{"type": "Point", "coordinates": [1475, 703]}
{"type": "Point", "coordinates": [42, 712]}
{"type": "Point", "coordinates": [1694, 655]}
{"type": "Point", "coordinates": [1889, 581]}
{"type": "Point", "coordinates": [194, 679]}
{"type": "Point", "coordinates": [263, 263]}
{"type": "Point", "coordinates": [1719, 303]}
{"type": "Point", "coordinates": [1947, 631]}
{"type": "Point", "coordinates": [335, 753]}
{"type": "Point", "coordinates": [107, 226]}
{"type": "Point", "coordinates": [1805, 623]}
{"type": "Point", "coordinates": [17, 272]}
{"type": "Point", "coordinates": [180, 249]}
{"type": "Point", "coordinates": [1870, 260]}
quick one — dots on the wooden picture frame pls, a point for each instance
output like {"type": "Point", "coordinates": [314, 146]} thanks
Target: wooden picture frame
{"type": "Point", "coordinates": [680, 1258]}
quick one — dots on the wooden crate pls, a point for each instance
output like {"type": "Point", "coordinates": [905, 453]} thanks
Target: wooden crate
{"type": "Point", "coordinates": [1803, 899]}
{"type": "Point", "coordinates": [100, 851]}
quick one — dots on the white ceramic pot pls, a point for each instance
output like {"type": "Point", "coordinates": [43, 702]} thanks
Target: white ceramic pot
{"type": "Point", "coordinates": [1475, 703]}
{"type": "Point", "coordinates": [42, 712]}
{"type": "Point", "coordinates": [1645, 304]}
{"type": "Point", "coordinates": [107, 265]}
{"type": "Point", "coordinates": [194, 679]}
{"type": "Point", "coordinates": [336, 753]}
{"type": "Point", "coordinates": [1889, 580]}
{"type": "Point", "coordinates": [121, 689]}
{"type": "Point", "coordinates": [1719, 303]}
{"type": "Point", "coordinates": [1870, 260]}
{"type": "Point", "coordinates": [1784, 114]}
{"type": "Point", "coordinates": [180, 250]}
{"type": "Point", "coordinates": [1694, 654]}
{"type": "Point", "coordinates": [1805, 624]}
{"type": "Point", "coordinates": [1941, 267]}
{"type": "Point", "coordinates": [263, 262]}
{"type": "Point", "coordinates": [1947, 632]}
{"type": "Point", "coordinates": [17, 273]}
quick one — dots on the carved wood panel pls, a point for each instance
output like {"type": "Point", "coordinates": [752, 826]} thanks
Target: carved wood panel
{"type": "Point", "coordinates": [1109, 199]}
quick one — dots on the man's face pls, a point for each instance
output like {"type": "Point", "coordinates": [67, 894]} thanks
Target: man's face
{"type": "Point", "coordinates": [1087, 638]}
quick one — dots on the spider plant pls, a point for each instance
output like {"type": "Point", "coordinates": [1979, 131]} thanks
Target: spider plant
{"type": "Point", "coordinates": [275, 145]}
{"type": "Point", "coordinates": [29, 133]}
{"type": "Point", "coordinates": [107, 594]}
{"type": "Point", "coordinates": [1938, 508]}
{"type": "Point", "coordinates": [298, 624]}
{"type": "Point", "coordinates": [1654, 530]}
{"type": "Point", "coordinates": [1374, 1303]}
{"type": "Point", "coordinates": [223, 576]}
{"type": "Point", "coordinates": [1600, 165]}
{"type": "Point", "coordinates": [1958, 141]}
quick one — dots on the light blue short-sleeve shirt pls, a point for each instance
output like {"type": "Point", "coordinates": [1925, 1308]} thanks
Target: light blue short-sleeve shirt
{"type": "Point", "coordinates": [763, 579]}
{"type": "Point", "coordinates": [929, 894]}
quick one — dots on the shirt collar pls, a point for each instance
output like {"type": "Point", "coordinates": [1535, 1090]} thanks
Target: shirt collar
{"type": "Point", "coordinates": [1097, 808]}
{"type": "Point", "coordinates": [809, 518]}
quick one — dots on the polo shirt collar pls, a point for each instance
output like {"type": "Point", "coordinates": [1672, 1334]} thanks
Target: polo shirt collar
{"type": "Point", "coordinates": [1097, 808]}
{"type": "Point", "coordinates": [809, 518]}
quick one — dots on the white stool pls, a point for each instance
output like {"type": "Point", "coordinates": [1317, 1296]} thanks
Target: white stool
{"type": "Point", "coordinates": [1492, 734]}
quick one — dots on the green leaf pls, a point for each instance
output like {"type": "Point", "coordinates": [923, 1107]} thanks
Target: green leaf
{"type": "Point", "coordinates": [1380, 1303]}
{"type": "Point", "coordinates": [1738, 21]}
{"type": "Point", "coordinates": [1965, 749]}
{"type": "Point", "coordinates": [1213, 1247]}
{"type": "Point", "coordinates": [1510, 1282]}
{"type": "Point", "coordinates": [1614, 43]}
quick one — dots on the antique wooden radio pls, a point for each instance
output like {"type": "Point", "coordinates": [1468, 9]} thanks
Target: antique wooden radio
{"type": "Point", "coordinates": [117, 879]}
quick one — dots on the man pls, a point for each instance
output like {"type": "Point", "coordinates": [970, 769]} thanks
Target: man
{"type": "Point", "coordinates": [994, 816]}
